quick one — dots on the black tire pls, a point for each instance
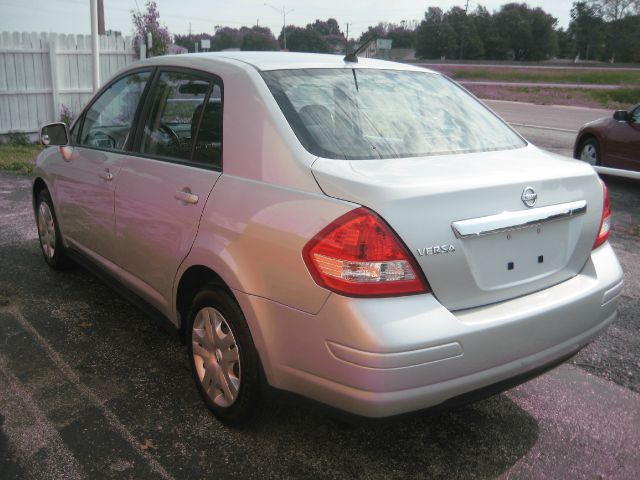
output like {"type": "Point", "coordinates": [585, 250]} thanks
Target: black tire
{"type": "Point", "coordinates": [59, 259]}
{"type": "Point", "coordinates": [590, 147]}
{"type": "Point", "coordinates": [245, 407]}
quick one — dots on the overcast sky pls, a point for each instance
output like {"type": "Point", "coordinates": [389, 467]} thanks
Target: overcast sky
{"type": "Point", "coordinates": [72, 16]}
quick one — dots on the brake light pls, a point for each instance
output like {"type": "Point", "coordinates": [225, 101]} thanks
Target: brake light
{"type": "Point", "coordinates": [359, 255]}
{"type": "Point", "coordinates": [605, 222]}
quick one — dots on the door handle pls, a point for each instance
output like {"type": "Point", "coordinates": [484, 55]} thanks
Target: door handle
{"type": "Point", "coordinates": [185, 196]}
{"type": "Point", "coordinates": [106, 175]}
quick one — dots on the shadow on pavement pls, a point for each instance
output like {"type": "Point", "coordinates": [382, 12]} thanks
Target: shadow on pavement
{"type": "Point", "coordinates": [478, 441]}
{"type": "Point", "coordinates": [141, 376]}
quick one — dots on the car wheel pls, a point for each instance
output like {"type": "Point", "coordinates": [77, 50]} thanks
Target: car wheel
{"type": "Point", "coordinates": [49, 233]}
{"type": "Point", "coordinates": [590, 151]}
{"type": "Point", "coordinates": [223, 358]}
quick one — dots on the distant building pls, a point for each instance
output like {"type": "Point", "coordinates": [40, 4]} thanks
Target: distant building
{"type": "Point", "coordinates": [398, 54]}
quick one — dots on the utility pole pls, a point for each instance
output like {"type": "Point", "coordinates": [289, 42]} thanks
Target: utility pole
{"type": "Point", "coordinates": [463, 30]}
{"type": "Point", "coordinates": [95, 45]}
{"type": "Point", "coordinates": [346, 41]}
{"type": "Point", "coordinates": [101, 30]}
{"type": "Point", "coordinates": [284, 12]}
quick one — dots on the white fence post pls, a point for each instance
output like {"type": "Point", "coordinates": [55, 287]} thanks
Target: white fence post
{"type": "Point", "coordinates": [53, 62]}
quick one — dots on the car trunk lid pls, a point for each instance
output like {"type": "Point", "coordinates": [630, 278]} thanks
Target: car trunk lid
{"type": "Point", "coordinates": [464, 219]}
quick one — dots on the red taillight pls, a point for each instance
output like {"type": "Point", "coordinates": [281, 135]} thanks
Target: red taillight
{"type": "Point", "coordinates": [605, 222]}
{"type": "Point", "coordinates": [359, 255]}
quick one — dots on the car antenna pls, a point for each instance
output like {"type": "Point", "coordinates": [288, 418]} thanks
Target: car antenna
{"type": "Point", "coordinates": [353, 56]}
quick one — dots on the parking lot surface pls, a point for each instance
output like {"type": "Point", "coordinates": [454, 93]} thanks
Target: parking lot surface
{"type": "Point", "coordinates": [92, 388]}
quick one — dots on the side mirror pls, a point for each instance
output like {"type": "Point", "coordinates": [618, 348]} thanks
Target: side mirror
{"type": "Point", "coordinates": [621, 115]}
{"type": "Point", "coordinates": [54, 134]}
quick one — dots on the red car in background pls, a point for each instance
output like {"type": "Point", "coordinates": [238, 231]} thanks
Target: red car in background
{"type": "Point", "coordinates": [612, 144]}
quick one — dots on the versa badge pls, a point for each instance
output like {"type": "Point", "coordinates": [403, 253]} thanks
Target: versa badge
{"type": "Point", "coordinates": [436, 250]}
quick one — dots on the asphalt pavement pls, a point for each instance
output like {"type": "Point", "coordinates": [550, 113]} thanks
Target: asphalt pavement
{"type": "Point", "coordinates": [551, 127]}
{"type": "Point", "coordinates": [92, 388]}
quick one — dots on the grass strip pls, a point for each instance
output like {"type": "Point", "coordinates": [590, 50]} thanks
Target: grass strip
{"type": "Point", "coordinates": [18, 159]}
{"type": "Point", "coordinates": [623, 97]}
{"type": "Point", "coordinates": [600, 77]}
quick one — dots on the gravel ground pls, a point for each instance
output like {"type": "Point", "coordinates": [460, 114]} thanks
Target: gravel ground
{"type": "Point", "coordinates": [615, 354]}
{"type": "Point", "coordinates": [91, 388]}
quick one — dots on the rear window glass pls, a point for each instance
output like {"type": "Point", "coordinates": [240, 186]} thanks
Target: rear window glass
{"type": "Point", "coordinates": [365, 114]}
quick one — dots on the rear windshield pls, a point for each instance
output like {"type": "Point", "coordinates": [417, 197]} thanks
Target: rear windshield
{"type": "Point", "coordinates": [357, 114]}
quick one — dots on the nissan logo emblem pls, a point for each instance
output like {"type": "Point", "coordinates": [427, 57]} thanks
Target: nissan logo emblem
{"type": "Point", "coordinates": [529, 197]}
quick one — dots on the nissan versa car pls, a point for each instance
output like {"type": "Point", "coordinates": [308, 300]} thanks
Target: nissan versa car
{"type": "Point", "coordinates": [612, 143]}
{"type": "Point", "coordinates": [362, 233]}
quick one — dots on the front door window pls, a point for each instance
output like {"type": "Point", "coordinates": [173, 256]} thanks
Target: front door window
{"type": "Point", "coordinates": [108, 121]}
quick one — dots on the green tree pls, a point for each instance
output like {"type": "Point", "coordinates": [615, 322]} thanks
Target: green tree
{"type": "Point", "coordinates": [543, 31]}
{"type": "Point", "coordinates": [226, 37]}
{"type": "Point", "coordinates": [612, 10]}
{"type": "Point", "coordinates": [258, 39]}
{"type": "Point", "coordinates": [566, 44]}
{"type": "Point", "coordinates": [330, 27]}
{"type": "Point", "coordinates": [513, 24]}
{"type": "Point", "coordinates": [435, 38]}
{"type": "Point", "coordinates": [330, 33]}
{"type": "Point", "coordinates": [587, 30]}
{"type": "Point", "coordinates": [304, 40]}
{"type": "Point", "coordinates": [528, 33]}
{"type": "Point", "coordinates": [623, 40]}
{"type": "Point", "coordinates": [377, 31]}
{"type": "Point", "coordinates": [401, 35]}
{"type": "Point", "coordinates": [492, 41]}
{"type": "Point", "coordinates": [470, 44]}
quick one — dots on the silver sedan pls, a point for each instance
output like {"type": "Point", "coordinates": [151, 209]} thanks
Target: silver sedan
{"type": "Point", "coordinates": [362, 233]}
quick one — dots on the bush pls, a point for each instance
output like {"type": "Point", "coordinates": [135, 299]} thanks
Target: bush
{"type": "Point", "coordinates": [17, 139]}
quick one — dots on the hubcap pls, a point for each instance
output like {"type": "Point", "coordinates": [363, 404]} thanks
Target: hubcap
{"type": "Point", "coordinates": [589, 154]}
{"type": "Point", "coordinates": [215, 356]}
{"type": "Point", "coordinates": [46, 230]}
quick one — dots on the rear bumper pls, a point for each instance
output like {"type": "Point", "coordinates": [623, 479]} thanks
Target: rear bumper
{"type": "Point", "coordinates": [382, 357]}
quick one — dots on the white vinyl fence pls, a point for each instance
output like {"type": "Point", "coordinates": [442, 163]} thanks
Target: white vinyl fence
{"type": "Point", "coordinates": [40, 72]}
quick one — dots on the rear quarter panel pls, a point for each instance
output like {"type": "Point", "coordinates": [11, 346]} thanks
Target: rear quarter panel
{"type": "Point", "coordinates": [252, 235]}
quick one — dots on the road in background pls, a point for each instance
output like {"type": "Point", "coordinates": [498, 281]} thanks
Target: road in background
{"type": "Point", "coordinates": [550, 127]}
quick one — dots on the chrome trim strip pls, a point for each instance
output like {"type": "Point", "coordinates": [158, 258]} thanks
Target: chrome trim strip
{"type": "Point", "coordinates": [508, 221]}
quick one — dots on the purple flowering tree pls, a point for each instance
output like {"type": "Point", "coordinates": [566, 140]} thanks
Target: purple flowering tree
{"type": "Point", "coordinates": [67, 115]}
{"type": "Point", "coordinates": [148, 21]}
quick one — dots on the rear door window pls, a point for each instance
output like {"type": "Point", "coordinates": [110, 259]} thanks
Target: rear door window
{"type": "Point", "coordinates": [185, 120]}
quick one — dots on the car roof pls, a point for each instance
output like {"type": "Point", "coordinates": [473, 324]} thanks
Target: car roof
{"type": "Point", "coordinates": [285, 60]}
